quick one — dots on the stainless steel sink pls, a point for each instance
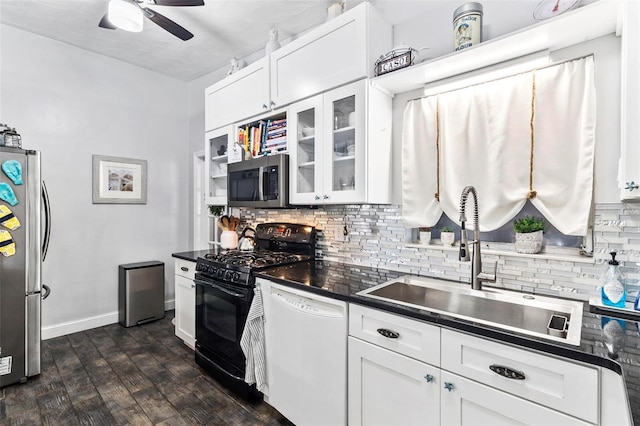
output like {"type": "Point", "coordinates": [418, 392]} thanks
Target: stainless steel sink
{"type": "Point", "coordinates": [545, 317]}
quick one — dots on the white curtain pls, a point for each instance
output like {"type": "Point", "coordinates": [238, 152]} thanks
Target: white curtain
{"type": "Point", "coordinates": [529, 136]}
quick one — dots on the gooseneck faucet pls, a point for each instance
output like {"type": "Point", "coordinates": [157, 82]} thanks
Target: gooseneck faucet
{"type": "Point", "coordinates": [477, 276]}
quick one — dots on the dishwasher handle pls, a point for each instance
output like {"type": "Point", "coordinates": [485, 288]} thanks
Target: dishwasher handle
{"type": "Point", "coordinates": [307, 306]}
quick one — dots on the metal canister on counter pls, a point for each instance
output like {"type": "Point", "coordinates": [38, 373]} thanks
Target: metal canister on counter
{"type": "Point", "coordinates": [467, 26]}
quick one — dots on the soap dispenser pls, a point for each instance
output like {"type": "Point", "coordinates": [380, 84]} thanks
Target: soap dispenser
{"type": "Point", "coordinates": [614, 291]}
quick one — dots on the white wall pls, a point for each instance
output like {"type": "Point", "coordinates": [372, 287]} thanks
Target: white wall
{"type": "Point", "coordinates": [70, 104]}
{"type": "Point", "coordinates": [196, 90]}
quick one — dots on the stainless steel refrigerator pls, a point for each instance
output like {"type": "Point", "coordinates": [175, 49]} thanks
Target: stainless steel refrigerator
{"type": "Point", "coordinates": [22, 250]}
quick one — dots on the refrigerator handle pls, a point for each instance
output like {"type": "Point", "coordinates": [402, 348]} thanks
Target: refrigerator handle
{"type": "Point", "coordinates": [47, 225]}
{"type": "Point", "coordinates": [47, 291]}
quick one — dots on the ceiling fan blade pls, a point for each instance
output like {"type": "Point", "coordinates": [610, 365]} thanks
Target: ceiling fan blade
{"type": "Point", "coordinates": [179, 2]}
{"type": "Point", "coordinates": [105, 23]}
{"type": "Point", "coordinates": [167, 24]}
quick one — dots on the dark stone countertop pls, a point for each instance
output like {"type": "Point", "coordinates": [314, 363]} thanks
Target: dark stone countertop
{"type": "Point", "coordinates": [192, 256]}
{"type": "Point", "coordinates": [618, 349]}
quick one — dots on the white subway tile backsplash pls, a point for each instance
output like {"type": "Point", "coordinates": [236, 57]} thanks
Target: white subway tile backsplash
{"type": "Point", "coordinates": [378, 238]}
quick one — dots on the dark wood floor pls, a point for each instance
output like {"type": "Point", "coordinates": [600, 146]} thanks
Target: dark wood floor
{"type": "Point", "coordinates": [114, 375]}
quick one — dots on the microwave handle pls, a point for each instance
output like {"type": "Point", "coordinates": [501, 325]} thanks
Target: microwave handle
{"type": "Point", "coordinates": [261, 175]}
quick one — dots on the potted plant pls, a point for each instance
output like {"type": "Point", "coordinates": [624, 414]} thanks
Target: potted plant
{"type": "Point", "coordinates": [425, 235]}
{"type": "Point", "coordinates": [216, 210]}
{"type": "Point", "coordinates": [529, 230]}
{"type": "Point", "coordinates": [447, 236]}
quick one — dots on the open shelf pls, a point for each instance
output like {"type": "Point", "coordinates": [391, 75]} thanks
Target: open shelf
{"type": "Point", "coordinates": [577, 26]}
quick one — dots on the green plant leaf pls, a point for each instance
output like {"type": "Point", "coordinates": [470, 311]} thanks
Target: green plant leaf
{"type": "Point", "coordinates": [528, 224]}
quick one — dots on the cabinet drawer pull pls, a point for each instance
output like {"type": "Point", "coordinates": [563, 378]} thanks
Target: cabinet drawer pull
{"type": "Point", "coordinates": [507, 372]}
{"type": "Point", "coordinates": [428, 378]}
{"type": "Point", "coordinates": [448, 386]}
{"type": "Point", "coordinates": [388, 333]}
{"type": "Point", "coordinates": [184, 268]}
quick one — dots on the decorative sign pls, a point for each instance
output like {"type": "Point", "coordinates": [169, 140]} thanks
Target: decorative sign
{"type": "Point", "coordinates": [393, 61]}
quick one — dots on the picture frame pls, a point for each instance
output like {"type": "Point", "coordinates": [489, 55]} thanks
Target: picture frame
{"type": "Point", "coordinates": [118, 180]}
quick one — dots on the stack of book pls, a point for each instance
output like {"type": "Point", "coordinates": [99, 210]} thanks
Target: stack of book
{"type": "Point", "coordinates": [264, 137]}
{"type": "Point", "coordinates": [276, 137]}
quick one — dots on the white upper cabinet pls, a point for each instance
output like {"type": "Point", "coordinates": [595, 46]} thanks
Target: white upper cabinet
{"type": "Point", "coordinates": [338, 52]}
{"type": "Point", "coordinates": [340, 147]}
{"type": "Point", "coordinates": [239, 96]}
{"type": "Point", "coordinates": [342, 50]}
{"type": "Point", "coordinates": [630, 106]}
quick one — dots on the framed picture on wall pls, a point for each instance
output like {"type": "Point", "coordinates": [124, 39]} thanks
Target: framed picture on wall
{"type": "Point", "coordinates": [119, 180]}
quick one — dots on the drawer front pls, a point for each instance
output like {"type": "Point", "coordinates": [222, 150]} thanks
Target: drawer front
{"type": "Point", "coordinates": [186, 269]}
{"type": "Point", "coordinates": [562, 385]}
{"type": "Point", "coordinates": [409, 337]}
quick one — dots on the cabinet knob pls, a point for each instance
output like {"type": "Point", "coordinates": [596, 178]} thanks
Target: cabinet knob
{"type": "Point", "coordinates": [272, 104]}
{"type": "Point", "coordinates": [317, 197]}
{"type": "Point", "coordinates": [325, 197]}
{"type": "Point", "coordinates": [428, 378]}
{"type": "Point", "coordinates": [631, 186]}
{"type": "Point", "coordinates": [264, 106]}
{"type": "Point", "coordinates": [193, 286]}
{"type": "Point", "coordinates": [448, 386]}
{"type": "Point", "coordinates": [184, 268]}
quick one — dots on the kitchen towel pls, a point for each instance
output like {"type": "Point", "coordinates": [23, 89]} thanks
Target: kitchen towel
{"type": "Point", "coordinates": [252, 344]}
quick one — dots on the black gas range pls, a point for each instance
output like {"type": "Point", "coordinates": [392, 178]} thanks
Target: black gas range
{"type": "Point", "coordinates": [224, 292]}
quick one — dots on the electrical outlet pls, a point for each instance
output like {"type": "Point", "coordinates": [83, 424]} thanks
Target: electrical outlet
{"type": "Point", "coordinates": [338, 234]}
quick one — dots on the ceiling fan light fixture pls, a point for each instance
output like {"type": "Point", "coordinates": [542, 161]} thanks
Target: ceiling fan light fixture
{"type": "Point", "coordinates": [125, 15]}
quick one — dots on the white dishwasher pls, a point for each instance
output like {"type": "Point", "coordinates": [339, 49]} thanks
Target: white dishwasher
{"type": "Point", "coordinates": [306, 337]}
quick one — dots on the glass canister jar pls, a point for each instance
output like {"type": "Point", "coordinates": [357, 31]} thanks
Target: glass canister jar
{"type": "Point", "coordinates": [467, 26]}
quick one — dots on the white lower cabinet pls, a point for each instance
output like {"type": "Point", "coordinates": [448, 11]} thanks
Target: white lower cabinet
{"type": "Point", "coordinates": [386, 388]}
{"type": "Point", "coordinates": [469, 403]}
{"type": "Point", "coordinates": [185, 307]}
{"type": "Point", "coordinates": [566, 386]}
{"type": "Point", "coordinates": [467, 381]}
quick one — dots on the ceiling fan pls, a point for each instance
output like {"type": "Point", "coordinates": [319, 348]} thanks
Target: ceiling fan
{"type": "Point", "coordinates": [128, 15]}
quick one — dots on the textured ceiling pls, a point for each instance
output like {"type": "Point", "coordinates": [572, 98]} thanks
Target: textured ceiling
{"type": "Point", "coordinates": [222, 29]}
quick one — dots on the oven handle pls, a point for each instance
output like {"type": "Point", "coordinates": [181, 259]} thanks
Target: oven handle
{"type": "Point", "coordinates": [222, 289]}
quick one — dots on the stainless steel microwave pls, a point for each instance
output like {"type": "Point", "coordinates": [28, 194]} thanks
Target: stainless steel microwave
{"type": "Point", "coordinates": [261, 182]}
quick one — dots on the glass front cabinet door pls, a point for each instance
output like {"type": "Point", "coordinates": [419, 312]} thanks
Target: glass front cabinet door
{"type": "Point", "coordinates": [305, 151]}
{"type": "Point", "coordinates": [216, 153]}
{"type": "Point", "coordinates": [327, 160]}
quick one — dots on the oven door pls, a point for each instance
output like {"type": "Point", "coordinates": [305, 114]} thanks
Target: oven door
{"type": "Point", "coordinates": [221, 313]}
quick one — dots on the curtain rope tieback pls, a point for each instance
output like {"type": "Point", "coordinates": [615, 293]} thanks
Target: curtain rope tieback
{"type": "Point", "coordinates": [532, 193]}
{"type": "Point", "coordinates": [437, 194]}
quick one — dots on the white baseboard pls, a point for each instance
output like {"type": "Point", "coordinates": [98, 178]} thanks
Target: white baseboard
{"type": "Point", "coordinates": [70, 327]}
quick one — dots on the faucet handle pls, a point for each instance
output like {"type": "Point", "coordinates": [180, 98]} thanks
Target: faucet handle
{"type": "Point", "coordinates": [463, 253]}
{"type": "Point", "coordinates": [489, 277]}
